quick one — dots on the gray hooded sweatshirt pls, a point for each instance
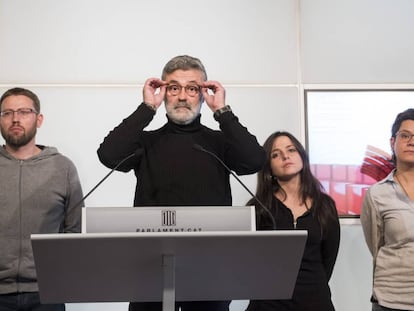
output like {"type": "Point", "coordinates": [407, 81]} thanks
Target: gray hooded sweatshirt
{"type": "Point", "coordinates": [37, 195]}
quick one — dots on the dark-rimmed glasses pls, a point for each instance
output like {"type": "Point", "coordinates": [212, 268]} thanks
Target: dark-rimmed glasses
{"type": "Point", "coordinates": [21, 112]}
{"type": "Point", "coordinates": [191, 89]}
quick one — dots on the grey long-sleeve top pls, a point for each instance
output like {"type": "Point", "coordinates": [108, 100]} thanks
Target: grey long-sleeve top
{"type": "Point", "coordinates": [37, 195]}
{"type": "Point", "coordinates": [387, 220]}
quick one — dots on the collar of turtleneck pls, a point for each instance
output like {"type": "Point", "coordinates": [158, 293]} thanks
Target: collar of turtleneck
{"type": "Point", "coordinates": [185, 128]}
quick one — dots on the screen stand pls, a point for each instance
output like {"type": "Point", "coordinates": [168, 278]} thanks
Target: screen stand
{"type": "Point", "coordinates": [168, 300]}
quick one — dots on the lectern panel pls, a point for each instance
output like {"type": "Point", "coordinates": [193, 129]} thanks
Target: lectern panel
{"type": "Point", "coordinates": [128, 266]}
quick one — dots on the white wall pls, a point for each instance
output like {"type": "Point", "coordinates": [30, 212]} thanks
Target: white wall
{"type": "Point", "coordinates": [87, 61]}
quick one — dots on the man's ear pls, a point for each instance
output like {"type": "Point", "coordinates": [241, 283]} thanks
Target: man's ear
{"type": "Point", "coordinates": [39, 120]}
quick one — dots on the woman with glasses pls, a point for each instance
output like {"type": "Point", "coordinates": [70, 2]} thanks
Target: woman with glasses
{"type": "Point", "coordinates": [387, 219]}
{"type": "Point", "coordinates": [296, 200]}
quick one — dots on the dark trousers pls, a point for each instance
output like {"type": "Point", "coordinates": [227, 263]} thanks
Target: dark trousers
{"type": "Point", "coordinates": [377, 307]}
{"type": "Point", "coordinates": [185, 306]}
{"type": "Point", "coordinates": [26, 302]}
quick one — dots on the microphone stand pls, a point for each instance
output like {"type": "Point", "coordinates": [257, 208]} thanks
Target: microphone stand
{"type": "Point", "coordinates": [137, 152]}
{"type": "Point", "coordinates": [198, 147]}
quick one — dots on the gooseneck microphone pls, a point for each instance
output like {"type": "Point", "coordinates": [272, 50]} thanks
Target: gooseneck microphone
{"type": "Point", "coordinates": [136, 153]}
{"type": "Point", "coordinates": [200, 148]}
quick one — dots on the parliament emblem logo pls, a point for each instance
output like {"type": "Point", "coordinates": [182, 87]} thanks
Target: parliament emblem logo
{"type": "Point", "coordinates": [168, 218]}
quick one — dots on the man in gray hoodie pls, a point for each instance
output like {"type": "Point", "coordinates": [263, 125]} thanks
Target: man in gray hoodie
{"type": "Point", "coordinates": [39, 193]}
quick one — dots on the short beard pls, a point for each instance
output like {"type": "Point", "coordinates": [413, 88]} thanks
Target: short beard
{"type": "Point", "coordinates": [19, 141]}
{"type": "Point", "coordinates": [182, 119]}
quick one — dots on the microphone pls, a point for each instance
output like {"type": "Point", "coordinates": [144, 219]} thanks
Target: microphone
{"type": "Point", "coordinates": [137, 153]}
{"type": "Point", "coordinates": [200, 148]}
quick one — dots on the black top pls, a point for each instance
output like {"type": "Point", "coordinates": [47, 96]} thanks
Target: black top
{"type": "Point", "coordinates": [311, 290]}
{"type": "Point", "coordinates": [169, 170]}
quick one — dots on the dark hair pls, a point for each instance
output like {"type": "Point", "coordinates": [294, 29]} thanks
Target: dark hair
{"type": "Point", "coordinates": [323, 205]}
{"type": "Point", "coordinates": [21, 91]}
{"type": "Point", "coordinates": [401, 117]}
{"type": "Point", "coordinates": [183, 62]}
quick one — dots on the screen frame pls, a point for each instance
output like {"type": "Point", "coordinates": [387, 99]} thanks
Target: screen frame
{"type": "Point", "coordinates": [308, 92]}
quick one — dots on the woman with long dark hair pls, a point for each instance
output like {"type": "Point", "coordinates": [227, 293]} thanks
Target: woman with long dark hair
{"type": "Point", "coordinates": [297, 200]}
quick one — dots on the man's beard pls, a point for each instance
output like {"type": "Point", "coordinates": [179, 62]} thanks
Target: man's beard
{"type": "Point", "coordinates": [17, 141]}
{"type": "Point", "coordinates": [180, 117]}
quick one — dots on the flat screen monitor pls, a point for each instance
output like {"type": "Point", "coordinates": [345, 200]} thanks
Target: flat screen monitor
{"type": "Point", "coordinates": [348, 139]}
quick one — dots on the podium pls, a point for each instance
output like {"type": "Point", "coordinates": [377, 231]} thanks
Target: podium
{"type": "Point", "coordinates": [168, 219]}
{"type": "Point", "coordinates": [167, 267]}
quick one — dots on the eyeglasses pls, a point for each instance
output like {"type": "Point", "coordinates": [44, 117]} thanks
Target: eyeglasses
{"type": "Point", "coordinates": [404, 136]}
{"type": "Point", "coordinates": [21, 112]}
{"type": "Point", "coordinates": [191, 89]}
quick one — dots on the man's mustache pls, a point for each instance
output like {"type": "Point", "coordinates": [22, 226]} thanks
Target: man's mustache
{"type": "Point", "coordinates": [182, 104]}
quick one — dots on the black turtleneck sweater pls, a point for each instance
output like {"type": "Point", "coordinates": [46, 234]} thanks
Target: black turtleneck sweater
{"type": "Point", "coordinates": [169, 170]}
